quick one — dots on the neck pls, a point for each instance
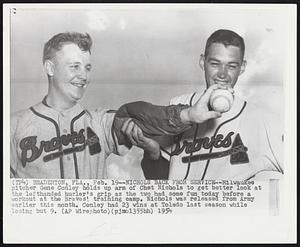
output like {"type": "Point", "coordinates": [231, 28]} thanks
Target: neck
{"type": "Point", "coordinates": [57, 101]}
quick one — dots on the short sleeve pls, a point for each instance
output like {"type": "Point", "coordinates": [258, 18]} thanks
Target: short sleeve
{"type": "Point", "coordinates": [273, 145]}
{"type": "Point", "coordinates": [269, 137]}
{"type": "Point", "coordinates": [109, 139]}
{"type": "Point", "coordinates": [13, 145]}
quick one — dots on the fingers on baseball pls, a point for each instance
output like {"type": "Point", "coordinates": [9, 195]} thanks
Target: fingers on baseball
{"type": "Point", "coordinates": [205, 97]}
{"type": "Point", "coordinates": [213, 114]}
{"type": "Point", "coordinates": [230, 89]}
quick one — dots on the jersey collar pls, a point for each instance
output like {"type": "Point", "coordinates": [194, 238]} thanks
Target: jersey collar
{"type": "Point", "coordinates": [46, 110]}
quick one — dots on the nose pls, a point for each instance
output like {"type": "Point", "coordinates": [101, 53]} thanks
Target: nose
{"type": "Point", "coordinates": [222, 72]}
{"type": "Point", "coordinates": [83, 74]}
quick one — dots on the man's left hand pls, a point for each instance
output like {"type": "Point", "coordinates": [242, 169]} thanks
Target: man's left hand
{"type": "Point", "coordinates": [136, 137]}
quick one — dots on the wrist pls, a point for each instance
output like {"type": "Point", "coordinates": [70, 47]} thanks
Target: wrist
{"type": "Point", "coordinates": [185, 116]}
{"type": "Point", "coordinates": [152, 155]}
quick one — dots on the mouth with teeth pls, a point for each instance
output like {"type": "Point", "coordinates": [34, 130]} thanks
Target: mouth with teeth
{"type": "Point", "coordinates": [79, 84]}
{"type": "Point", "coordinates": [221, 82]}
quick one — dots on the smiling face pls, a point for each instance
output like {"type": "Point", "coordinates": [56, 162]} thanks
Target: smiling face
{"type": "Point", "coordinates": [69, 71]}
{"type": "Point", "coordinates": [222, 65]}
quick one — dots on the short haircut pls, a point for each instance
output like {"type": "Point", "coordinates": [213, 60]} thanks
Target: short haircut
{"type": "Point", "coordinates": [225, 37]}
{"type": "Point", "coordinates": [84, 42]}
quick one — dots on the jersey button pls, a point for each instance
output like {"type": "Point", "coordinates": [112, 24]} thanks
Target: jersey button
{"type": "Point", "coordinates": [68, 158]}
{"type": "Point", "coordinates": [65, 131]}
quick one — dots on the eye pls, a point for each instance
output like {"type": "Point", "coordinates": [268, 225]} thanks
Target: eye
{"type": "Point", "coordinates": [75, 66]}
{"type": "Point", "coordinates": [232, 66]}
{"type": "Point", "coordinates": [214, 64]}
{"type": "Point", "coordinates": [88, 68]}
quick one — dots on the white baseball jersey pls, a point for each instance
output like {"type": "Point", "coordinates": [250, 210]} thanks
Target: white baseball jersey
{"type": "Point", "coordinates": [71, 144]}
{"type": "Point", "coordinates": [236, 146]}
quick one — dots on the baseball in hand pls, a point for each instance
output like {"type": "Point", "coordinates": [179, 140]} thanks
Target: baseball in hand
{"type": "Point", "coordinates": [221, 100]}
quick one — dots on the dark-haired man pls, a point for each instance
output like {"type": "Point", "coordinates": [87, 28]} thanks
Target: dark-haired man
{"type": "Point", "coordinates": [239, 145]}
{"type": "Point", "coordinates": [58, 138]}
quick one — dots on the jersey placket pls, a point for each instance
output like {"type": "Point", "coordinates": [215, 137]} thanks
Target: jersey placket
{"type": "Point", "coordinates": [68, 161]}
{"type": "Point", "coordinates": [194, 169]}
{"type": "Point", "coordinates": [53, 119]}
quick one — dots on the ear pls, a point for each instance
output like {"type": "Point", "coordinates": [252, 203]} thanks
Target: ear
{"type": "Point", "coordinates": [243, 67]}
{"type": "Point", "coordinates": [49, 67]}
{"type": "Point", "coordinates": [201, 61]}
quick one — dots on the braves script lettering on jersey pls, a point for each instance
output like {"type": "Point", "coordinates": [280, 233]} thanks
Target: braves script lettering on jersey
{"type": "Point", "coordinates": [74, 143]}
{"type": "Point", "coordinates": [236, 146]}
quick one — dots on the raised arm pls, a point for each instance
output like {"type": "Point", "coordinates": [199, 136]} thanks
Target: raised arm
{"type": "Point", "coordinates": [155, 120]}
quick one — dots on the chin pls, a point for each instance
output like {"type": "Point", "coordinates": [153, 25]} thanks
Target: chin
{"type": "Point", "coordinates": [78, 95]}
{"type": "Point", "coordinates": [76, 98]}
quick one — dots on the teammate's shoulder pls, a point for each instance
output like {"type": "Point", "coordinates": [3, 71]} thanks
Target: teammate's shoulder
{"type": "Point", "coordinates": [20, 114]}
{"type": "Point", "coordinates": [24, 114]}
{"type": "Point", "coordinates": [19, 119]}
{"type": "Point", "coordinates": [262, 117]}
{"type": "Point", "coordinates": [253, 107]}
{"type": "Point", "coordinates": [261, 112]}
{"type": "Point", "coordinates": [267, 175]}
{"type": "Point", "coordinates": [182, 99]}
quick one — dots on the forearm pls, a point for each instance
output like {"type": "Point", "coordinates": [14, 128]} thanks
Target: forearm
{"type": "Point", "coordinates": [156, 120]}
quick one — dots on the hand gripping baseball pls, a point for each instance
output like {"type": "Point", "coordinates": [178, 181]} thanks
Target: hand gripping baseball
{"type": "Point", "coordinates": [199, 112]}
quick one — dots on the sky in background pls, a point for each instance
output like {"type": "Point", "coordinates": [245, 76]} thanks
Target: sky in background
{"type": "Point", "coordinates": [148, 44]}
{"type": "Point", "coordinates": [151, 53]}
